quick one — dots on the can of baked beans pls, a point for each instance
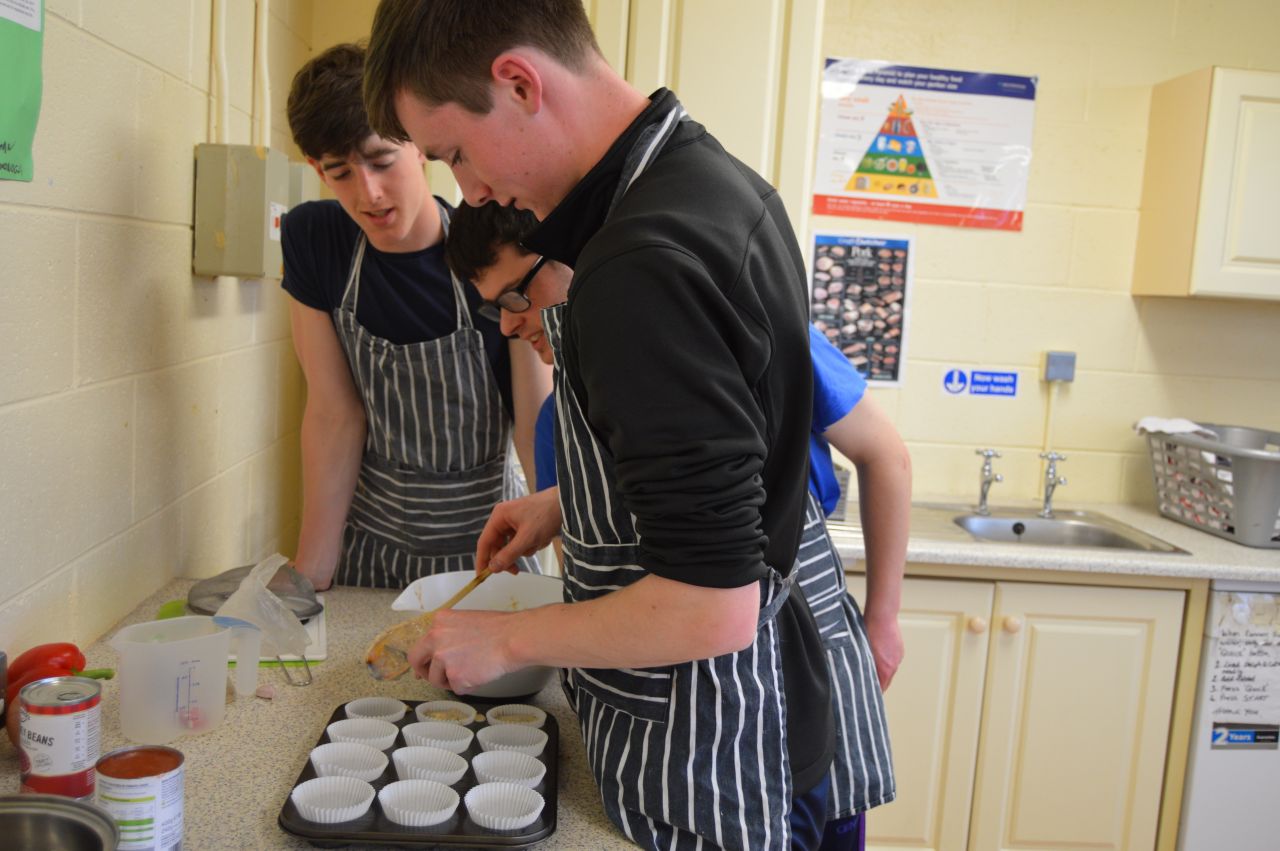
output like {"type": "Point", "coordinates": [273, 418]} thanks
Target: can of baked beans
{"type": "Point", "coordinates": [141, 787]}
{"type": "Point", "coordinates": [59, 735]}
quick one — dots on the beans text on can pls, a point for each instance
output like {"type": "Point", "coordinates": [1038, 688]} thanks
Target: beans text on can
{"type": "Point", "coordinates": [142, 788]}
{"type": "Point", "coordinates": [59, 735]}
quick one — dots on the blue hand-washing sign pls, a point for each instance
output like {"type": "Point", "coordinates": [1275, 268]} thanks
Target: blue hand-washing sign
{"type": "Point", "coordinates": [980, 382]}
{"type": "Point", "coordinates": [983, 383]}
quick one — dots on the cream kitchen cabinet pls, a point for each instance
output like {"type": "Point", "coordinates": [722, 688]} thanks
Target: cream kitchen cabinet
{"type": "Point", "coordinates": [1211, 190]}
{"type": "Point", "coordinates": [1029, 715]}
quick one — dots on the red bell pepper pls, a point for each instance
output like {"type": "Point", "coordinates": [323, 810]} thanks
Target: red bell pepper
{"type": "Point", "coordinates": [63, 654]}
{"type": "Point", "coordinates": [61, 659]}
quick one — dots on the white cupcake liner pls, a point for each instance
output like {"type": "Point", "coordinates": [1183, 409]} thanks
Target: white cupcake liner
{"type": "Point", "coordinates": [438, 734]}
{"type": "Point", "coordinates": [329, 800]}
{"type": "Point", "coordinates": [503, 806]}
{"type": "Point", "coordinates": [517, 713]}
{"type": "Point", "coordinates": [418, 803]}
{"type": "Point", "coordinates": [422, 762]}
{"type": "Point", "coordinates": [512, 737]}
{"type": "Point", "coordinates": [381, 708]}
{"type": "Point", "coordinates": [378, 735]}
{"type": "Point", "coordinates": [452, 711]}
{"type": "Point", "coordinates": [349, 759]}
{"type": "Point", "coordinates": [508, 767]}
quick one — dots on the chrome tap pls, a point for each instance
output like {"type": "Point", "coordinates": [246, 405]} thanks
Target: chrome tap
{"type": "Point", "coordinates": [987, 479]}
{"type": "Point", "coordinates": [1051, 480]}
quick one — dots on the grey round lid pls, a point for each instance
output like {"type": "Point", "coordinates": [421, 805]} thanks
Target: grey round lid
{"type": "Point", "coordinates": [293, 589]}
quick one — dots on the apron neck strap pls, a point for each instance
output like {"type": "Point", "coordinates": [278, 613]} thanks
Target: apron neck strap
{"type": "Point", "coordinates": [351, 292]}
{"type": "Point", "coordinates": [646, 148]}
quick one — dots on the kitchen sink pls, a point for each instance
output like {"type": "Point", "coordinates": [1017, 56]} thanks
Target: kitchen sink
{"type": "Point", "coordinates": [1064, 529]}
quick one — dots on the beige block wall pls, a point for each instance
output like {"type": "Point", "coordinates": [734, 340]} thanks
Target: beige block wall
{"type": "Point", "coordinates": [148, 418]}
{"type": "Point", "coordinates": [999, 300]}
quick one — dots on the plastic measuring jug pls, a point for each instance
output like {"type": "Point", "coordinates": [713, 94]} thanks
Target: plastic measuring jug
{"type": "Point", "coordinates": [173, 675]}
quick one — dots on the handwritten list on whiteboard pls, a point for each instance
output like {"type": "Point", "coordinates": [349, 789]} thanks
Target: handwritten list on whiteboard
{"type": "Point", "coordinates": [1244, 660]}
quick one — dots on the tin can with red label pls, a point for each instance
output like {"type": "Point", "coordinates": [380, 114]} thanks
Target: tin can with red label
{"type": "Point", "coordinates": [59, 737]}
{"type": "Point", "coordinates": [141, 787]}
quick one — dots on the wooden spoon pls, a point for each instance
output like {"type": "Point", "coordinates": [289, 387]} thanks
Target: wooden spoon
{"type": "Point", "coordinates": [388, 655]}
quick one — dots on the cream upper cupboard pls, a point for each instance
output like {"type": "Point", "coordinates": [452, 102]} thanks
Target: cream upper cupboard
{"type": "Point", "coordinates": [1211, 190]}
{"type": "Point", "coordinates": [1029, 716]}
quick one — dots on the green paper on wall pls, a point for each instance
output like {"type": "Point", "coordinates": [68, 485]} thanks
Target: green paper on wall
{"type": "Point", "coordinates": [21, 47]}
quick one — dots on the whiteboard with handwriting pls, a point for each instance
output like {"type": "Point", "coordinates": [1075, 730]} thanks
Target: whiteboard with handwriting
{"type": "Point", "coordinates": [1243, 671]}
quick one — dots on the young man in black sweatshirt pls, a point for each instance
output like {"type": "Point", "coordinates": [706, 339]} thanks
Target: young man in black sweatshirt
{"type": "Point", "coordinates": [686, 382]}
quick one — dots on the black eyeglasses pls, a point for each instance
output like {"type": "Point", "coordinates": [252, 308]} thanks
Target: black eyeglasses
{"type": "Point", "coordinates": [513, 300]}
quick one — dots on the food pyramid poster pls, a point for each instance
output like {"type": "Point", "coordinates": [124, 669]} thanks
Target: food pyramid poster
{"type": "Point", "coordinates": [924, 145]}
{"type": "Point", "coordinates": [895, 163]}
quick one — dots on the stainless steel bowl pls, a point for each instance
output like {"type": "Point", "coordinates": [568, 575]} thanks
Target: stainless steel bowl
{"type": "Point", "coordinates": [53, 823]}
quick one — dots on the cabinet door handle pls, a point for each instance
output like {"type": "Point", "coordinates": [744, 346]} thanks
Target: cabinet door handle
{"type": "Point", "coordinates": [977, 625]}
{"type": "Point", "coordinates": [1012, 624]}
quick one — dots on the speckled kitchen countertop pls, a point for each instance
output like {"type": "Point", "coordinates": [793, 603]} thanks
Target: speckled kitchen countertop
{"type": "Point", "coordinates": [936, 540]}
{"type": "Point", "coordinates": [239, 774]}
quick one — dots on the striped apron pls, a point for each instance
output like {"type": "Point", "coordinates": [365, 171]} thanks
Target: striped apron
{"type": "Point", "coordinates": [862, 771]}
{"type": "Point", "coordinates": [692, 755]}
{"type": "Point", "coordinates": [436, 458]}
{"type": "Point", "coordinates": [685, 756]}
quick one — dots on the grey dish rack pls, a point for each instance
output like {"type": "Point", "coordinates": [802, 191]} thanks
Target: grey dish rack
{"type": "Point", "coordinates": [1228, 486]}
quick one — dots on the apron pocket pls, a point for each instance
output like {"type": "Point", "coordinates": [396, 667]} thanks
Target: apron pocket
{"type": "Point", "coordinates": [641, 692]}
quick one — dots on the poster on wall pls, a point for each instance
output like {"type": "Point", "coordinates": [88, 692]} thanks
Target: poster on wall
{"type": "Point", "coordinates": [859, 299]}
{"type": "Point", "coordinates": [923, 145]}
{"type": "Point", "coordinates": [21, 49]}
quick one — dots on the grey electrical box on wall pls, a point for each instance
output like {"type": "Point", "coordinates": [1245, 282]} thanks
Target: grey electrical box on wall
{"type": "Point", "coordinates": [242, 193]}
{"type": "Point", "coordinates": [304, 184]}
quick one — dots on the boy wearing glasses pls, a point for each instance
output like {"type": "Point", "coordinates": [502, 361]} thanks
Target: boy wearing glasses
{"type": "Point", "coordinates": [862, 655]}
{"type": "Point", "coordinates": [411, 395]}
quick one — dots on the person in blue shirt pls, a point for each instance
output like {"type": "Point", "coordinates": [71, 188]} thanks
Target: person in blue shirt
{"type": "Point", "coordinates": [863, 651]}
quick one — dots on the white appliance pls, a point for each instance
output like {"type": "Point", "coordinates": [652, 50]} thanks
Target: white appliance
{"type": "Point", "coordinates": [1232, 797]}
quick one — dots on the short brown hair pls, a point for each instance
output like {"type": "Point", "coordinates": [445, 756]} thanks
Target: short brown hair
{"type": "Point", "coordinates": [477, 234]}
{"type": "Point", "coordinates": [326, 108]}
{"type": "Point", "coordinates": [441, 50]}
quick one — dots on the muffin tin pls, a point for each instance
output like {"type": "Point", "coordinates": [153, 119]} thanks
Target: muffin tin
{"type": "Point", "coordinates": [459, 830]}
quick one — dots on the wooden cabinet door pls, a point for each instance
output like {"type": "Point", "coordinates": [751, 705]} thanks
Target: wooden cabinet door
{"type": "Point", "coordinates": [749, 70]}
{"type": "Point", "coordinates": [1076, 717]}
{"type": "Point", "coordinates": [1237, 247]}
{"type": "Point", "coordinates": [933, 705]}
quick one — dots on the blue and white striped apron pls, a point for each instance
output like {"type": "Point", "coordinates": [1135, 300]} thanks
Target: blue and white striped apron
{"type": "Point", "coordinates": [437, 456]}
{"type": "Point", "coordinates": [862, 771]}
{"type": "Point", "coordinates": [685, 756]}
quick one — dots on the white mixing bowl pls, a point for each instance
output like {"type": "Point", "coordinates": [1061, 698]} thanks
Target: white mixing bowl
{"type": "Point", "coordinates": [502, 592]}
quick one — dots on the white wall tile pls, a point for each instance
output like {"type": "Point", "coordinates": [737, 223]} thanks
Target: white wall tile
{"type": "Point", "coordinates": [275, 494]}
{"type": "Point", "coordinates": [177, 433]}
{"type": "Point", "coordinates": [113, 577]}
{"type": "Point", "coordinates": [134, 280]}
{"type": "Point", "coordinates": [159, 34]}
{"type": "Point", "coordinates": [1215, 337]}
{"type": "Point", "coordinates": [246, 403]}
{"type": "Point", "coordinates": [1023, 323]}
{"type": "Point", "coordinates": [41, 613]}
{"type": "Point", "coordinates": [1102, 249]}
{"type": "Point", "coordinates": [216, 523]}
{"type": "Point", "coordinates": [68, 478]}
{"type": "Point", "coordinates": [172, 120]}
{"type": "Point", "coordinates": [37, 304]}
